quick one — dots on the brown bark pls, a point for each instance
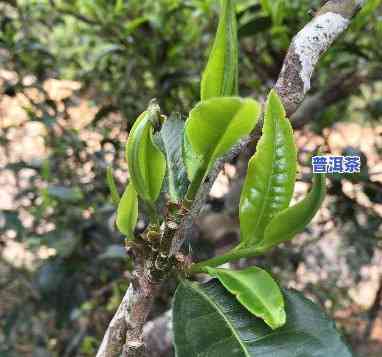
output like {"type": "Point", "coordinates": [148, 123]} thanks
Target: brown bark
{"type": "Point", "coordinates": [125, 332]}
{"type": "Point", "coordinates": [308, 46]}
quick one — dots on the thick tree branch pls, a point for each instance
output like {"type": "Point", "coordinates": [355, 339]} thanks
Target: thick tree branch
{"type": "Point", "coordinates": [125, 332]}
{"type": "Point", "coordinates": [113, 339]}
{"type": "Point", "coordinates": [308, 46]}
{"type": "Point", "coordinates": [126, 328]}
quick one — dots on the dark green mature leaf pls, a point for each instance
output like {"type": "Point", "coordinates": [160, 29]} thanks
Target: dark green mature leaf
{"type": "Point", "coordinates": [127, 213]}
{"type": "Point", "coordinates": [147, 164]}
{"type": "Point", "coordinates": [208, 321]}
{"type": "Point", "coordinates": [256, 290]}
{"type": "Point", "coordinates": [269, 184]}
{"type": "Point", "coordinates": [172, 136]}
{"type": "Point", "coordinates": [215, 125]}
{"type": "Point", "coordinates": [220, 77]}
{"type": "Point", "coordinates": [286, 224]}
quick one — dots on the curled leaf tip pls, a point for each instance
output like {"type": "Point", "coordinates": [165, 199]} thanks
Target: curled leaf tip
{"type": "Point", "coordinates": [256, 290]}
{"type": "Point", "coordinates": [146, 162]}
{"type": "Point", "coordinates": [220, 77]}
{"type": "Point", "coordinates": [269, 184]}
{"type": "Point", "coordinates": [293, 220]}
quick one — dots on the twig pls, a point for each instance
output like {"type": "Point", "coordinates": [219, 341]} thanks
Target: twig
{"type": "Point", "coordinates": [186, 227]}
{"type": "Point", "coordinates": [125, 330]}
{"type": "Point", "coordinates": [308, 46]}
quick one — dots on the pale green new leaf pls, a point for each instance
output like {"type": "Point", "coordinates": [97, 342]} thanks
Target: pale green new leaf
{"type": "Point", "coordinates": [215, 125]}
{"type": "Point", "coordinates": [269, 184]}
{"type": "Point", "coordinates": [147, 164]}
{"type": "Point", "coordinates": [220, 77]}
{"type": "Point", "coordinates": [256, 290]}
{"type": "Point", "coordinates": [191, 159]}
{"type": "Point", "coordinates": [286, 224]}
{"type": "Point", "coordinates": [127, 213]}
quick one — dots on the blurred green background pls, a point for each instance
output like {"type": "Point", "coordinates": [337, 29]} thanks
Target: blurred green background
{"type": "Point", "coordinates": [75, 74]}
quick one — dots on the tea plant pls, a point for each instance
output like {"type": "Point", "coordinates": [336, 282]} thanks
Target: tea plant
{"type": "Point", "coordinates": [172, 165]}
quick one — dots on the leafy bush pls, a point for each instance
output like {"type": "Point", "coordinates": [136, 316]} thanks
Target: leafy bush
{"type": "Point", "coordinates": [204, 319]}
{"type": "Point", "coordinates": [124, 54]}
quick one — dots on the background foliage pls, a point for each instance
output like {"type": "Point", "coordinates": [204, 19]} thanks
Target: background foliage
{"type": "Point", "coordinates": [75, 74]}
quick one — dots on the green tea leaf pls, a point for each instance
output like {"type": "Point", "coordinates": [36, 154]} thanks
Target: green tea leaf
{"type": "Point", "coordinates": [215, 125]}
{"type": "Point", "coordinates": [191, 159]}
{"type": "Point", "coordinates": [112, 186]}
{"type": "Point", "coordinates": [269, 184]}
{"type": "Point", "coordinates": [127, 213]}
{"type": "Point", "coordinates": [256, 290]}
{"type": "Point", "coordinates": [209, 321]}
{"type": "Point", "coordinates": [172, 136]}
{"type": "Point", "coordinates": [147, 164]}
{"type": "Point", "coordinates": [287, 223]}
{"type": "Point", "coordinates": [220, 78]}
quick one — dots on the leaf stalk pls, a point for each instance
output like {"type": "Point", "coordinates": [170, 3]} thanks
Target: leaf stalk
{"type": "Point", "coordinates": [225, 258]}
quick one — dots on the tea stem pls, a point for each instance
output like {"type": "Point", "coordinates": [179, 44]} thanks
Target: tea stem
{"type": "Point", "coordinates": [227, 257]}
